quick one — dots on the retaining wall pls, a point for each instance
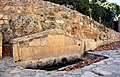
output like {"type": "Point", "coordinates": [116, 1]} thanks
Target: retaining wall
{"type": "Point", "coordinates": [23, 17]}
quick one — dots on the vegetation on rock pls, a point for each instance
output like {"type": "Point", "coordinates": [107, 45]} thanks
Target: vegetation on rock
{"type": "Point", "coordinates": [100, 10]}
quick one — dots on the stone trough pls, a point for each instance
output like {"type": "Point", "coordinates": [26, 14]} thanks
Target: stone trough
{"type": "Point", "coordinates": [47, 47]}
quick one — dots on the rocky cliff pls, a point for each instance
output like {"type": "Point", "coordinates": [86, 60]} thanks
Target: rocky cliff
{"type": "Point", "coordinates": [23, 17]}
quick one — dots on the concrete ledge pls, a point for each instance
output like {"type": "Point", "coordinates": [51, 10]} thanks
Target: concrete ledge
{"type": "Point", "coordinates": [91, 44]}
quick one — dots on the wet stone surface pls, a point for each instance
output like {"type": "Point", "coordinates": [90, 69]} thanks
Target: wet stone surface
{"type": "Point", "coordinates": [106, 68]}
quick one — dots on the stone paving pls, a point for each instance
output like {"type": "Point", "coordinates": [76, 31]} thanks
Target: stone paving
{"type": "Point", "coordinates": [106, 68]}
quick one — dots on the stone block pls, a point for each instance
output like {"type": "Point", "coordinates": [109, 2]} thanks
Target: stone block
{"type": "Point", "coordinates": [23, 44]}
{"type": "Point", "coordinates": [1, 15]}
{"type": "Point", "coordinates": [6, 21]}
{"type": "Point", "coordinates": [5, 17]}
{"type": "Point", "coordinates": [73, 50]}
{"type": "Point", "coordinates": [27, 53]}
{"type": "Point", "coordinates": [34, 42]}
{"type": "Point", "coordinates": [1, 22]}
{"type": "Point", "coordinates": [99, 42]}
{"type": "Point", "coordinates": [70, 41]}
{"type": "Point", "coordinates": [90, 46]}
{"type": "Point", "coordinates": [77, 49]}
{"type": "Point", "coordinates": [60, 21]}
{"type": "Point", "coordinates": [43, 41]}
{"type": "Point", "coordinates": [56, 40]}
{"type": "Point", "coordinates": [15, 53]}
{"type": "Point", "coordinates": [89, 74]}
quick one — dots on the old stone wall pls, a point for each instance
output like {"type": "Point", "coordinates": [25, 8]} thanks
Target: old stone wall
{"type": "Point", "coordinates": [47, 44]}
{"type": "Point", "coordinates": [23, 17]}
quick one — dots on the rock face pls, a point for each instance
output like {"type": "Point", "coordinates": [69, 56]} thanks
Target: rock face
{"type": "Point", "coordinates": [23, 25]}
{"type": "Point", "coordinates": [20, 18]}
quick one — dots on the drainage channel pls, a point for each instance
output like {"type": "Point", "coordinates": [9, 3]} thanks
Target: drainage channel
{"type": "Point", "coordinates": [88, 59]}
{"type": "Point", "coordinates": [64, 65]}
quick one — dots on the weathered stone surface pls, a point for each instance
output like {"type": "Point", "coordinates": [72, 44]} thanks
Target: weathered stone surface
{"type": "Point", "coordinates": [28, 17]}
{"type": "Point", "coordinates": [43, 42]}
{"type": "Point", "coordinates": [90, 44]}
{"type": "Point", "coordinates": [56, 40]}
{"type": "Point", "coordinates": [2, 65]}
{"type": "Point", "coordinates": [35, 42]}
{"type": "Point", "coordinates": [6, 21]}
{"type": "Point", "coordinates": [89, 74]}
{"type": "Point", "coordinates": [41, 75]}
{"type": "Point", "coordinates": [1, 22]}
{"type": "Point", "coordinates": [28, 72]}
{"type": "Point", "coordinates": [16, 70]}
{"type": "Point", "coordinates": [50, 44]}
{"type": "Point", "coordinates": [5, 17]}
{"type": "Point", "coordinates": [56, 73]}
{"type": "Point", "coordinates": [100, 71]}
{"type": "Point", "coordinates": [15, 53]}
{"type": "Point", "coordinates": [113, 68]}
{"type": "Point", "coordinates": [1, 15]}
{"type": "Point", "coordinates": [75, 72]}
{"type": "Point", "coordinates": [89, 67]}
{"type": "Point", "coordinates": [67, 75]}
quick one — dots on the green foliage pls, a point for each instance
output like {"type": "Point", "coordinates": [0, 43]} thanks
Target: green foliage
{"type": "Point", "coordinates": [80, 5]}
{"type": "Point", "coordinates": [114, 8]}
{"type": "Point", "coordinates": [111, 12]}
{"type": "Point", "coordinates": [100, 10]}
{"type": "Point", "coordinates": [101, 1]}
{"type": "Point", "coordinates": [105, 13]}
